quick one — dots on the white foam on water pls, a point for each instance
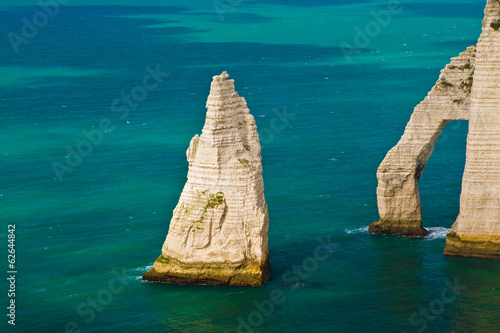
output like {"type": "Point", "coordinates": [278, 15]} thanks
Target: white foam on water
{"type": "Point", "coordinates": [141, 270]}
{"type": "Point", "coordinates": [437, 233]}
{"type": "Point", "coordinates": [361, 230]}
{"type": "Point", "coordinates": [39, 290]}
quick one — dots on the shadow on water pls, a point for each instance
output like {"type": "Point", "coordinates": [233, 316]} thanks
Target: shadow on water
{"type": "Point", "coordinates": [390, 276]}
{"type": "Point", "coordinates": [478, 305]}
{"type": "Point", "coordinates": [93, 51]}
{"type": "Point", "coordinates": [316, 3]}
{"type": "Point", "coordinates": [444, 10]}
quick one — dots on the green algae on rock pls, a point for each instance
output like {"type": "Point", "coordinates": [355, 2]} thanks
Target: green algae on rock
{"type": "Point", "coordinates": [468, 88]}
{"type": "Point", "coordinates": [218, 232]}
{"type": "Point", "coordinates": [398, 195]}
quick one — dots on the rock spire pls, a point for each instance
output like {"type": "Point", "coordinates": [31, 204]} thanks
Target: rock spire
{"type": "Point", "coordinates": [218, 232]}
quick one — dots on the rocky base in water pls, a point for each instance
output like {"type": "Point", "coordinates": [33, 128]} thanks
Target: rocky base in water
{"type": "Point", "coordinates": [408, 229]}
{"type": "Point", "coordinates": [172, 271]}
{"type": "Point", "coordinates": [477, 246]}
{"type": "Point", "coordinates": [466, 89]}
{"type": "Point", "coordinates": [398, 195]}
{"type": "Point", "coordinates": [218, 231]}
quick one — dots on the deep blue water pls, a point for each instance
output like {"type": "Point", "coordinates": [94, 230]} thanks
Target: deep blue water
{"type": "Point", "coordinates": [89, 235]}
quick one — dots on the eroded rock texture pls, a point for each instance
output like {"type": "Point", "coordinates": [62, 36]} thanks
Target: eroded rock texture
{"type": "Point", "coordinates": [218, 232]}
{"type": "Point", "coordinates": [468, 88]}
{"type": "Point", "coordinates": [476, 232]}
{"type": "Point", "coordinates": [398, 175]}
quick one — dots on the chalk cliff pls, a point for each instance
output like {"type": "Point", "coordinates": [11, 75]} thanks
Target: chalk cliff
{"type": "Point", "coordinates": [468, 88]}
{"type": "Point", "coordinates": [476, 232]}
{"type": "Point", "coordinates": [218, 232]}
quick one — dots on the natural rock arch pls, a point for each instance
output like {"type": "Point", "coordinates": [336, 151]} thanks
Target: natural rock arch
{"type": "Point", "coordinates": [468, 88]}
{"type": "Point", "coordinates": [397, 193]}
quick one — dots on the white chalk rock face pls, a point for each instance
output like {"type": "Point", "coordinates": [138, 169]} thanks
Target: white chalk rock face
{"type": "Point", "coordinates": [468, 88]}
{"type": "Point", "coordinates": [218, 232]}
{"type": "Point", "coordinates": [476, 233]}
{"type": "Point", "coordinates": [397, 193]}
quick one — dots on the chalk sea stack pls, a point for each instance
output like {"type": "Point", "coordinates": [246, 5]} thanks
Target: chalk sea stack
{"type": "Point", "coordinates": [218, 232]}
{"type": "Point", "coordinates": [468, 88]}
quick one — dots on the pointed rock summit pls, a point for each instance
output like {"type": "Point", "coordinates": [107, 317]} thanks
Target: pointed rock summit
{"type": "Point", "coordinates": [218, 232]}
{"type": "Point", "coordinates": [468, 88]}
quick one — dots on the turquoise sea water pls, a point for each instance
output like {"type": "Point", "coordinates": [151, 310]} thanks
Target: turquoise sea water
{"type": "Point", "coordinates": [326, 121]}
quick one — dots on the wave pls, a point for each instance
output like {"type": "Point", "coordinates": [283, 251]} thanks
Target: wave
{"type": "Point", "coordinates": [141, 270]}
{"type": "Point", "coordinates": [437, 233]}
{"type": "Point", "coordinates": [360, 230]}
